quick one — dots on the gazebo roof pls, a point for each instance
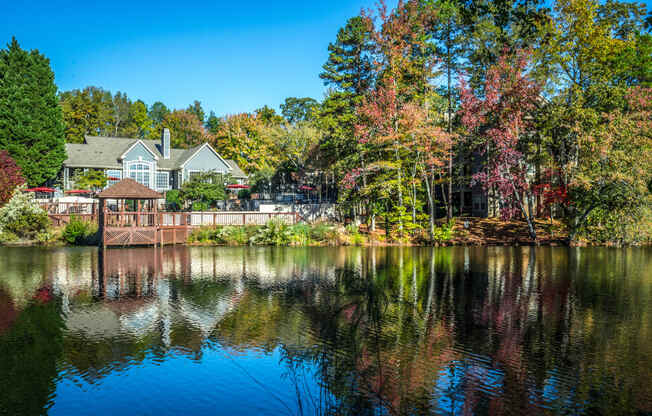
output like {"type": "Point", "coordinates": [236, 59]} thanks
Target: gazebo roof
{"type": "Point", "coordinates": [129, 189]}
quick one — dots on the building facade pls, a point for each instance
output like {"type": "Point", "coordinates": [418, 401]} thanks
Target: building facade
{"type": "Point", "coordinates": [152, 163]}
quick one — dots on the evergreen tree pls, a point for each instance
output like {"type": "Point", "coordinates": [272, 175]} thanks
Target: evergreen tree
{"type": "Point", "coordinates": [213, 123]}
{"type": "Point", "coordinates": [349, 73]}
{"type": "Point", "coordinates": [31, 120]}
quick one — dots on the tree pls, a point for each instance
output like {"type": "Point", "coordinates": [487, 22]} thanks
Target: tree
{"type": "Point", "coordinates": [448, 35]}
{"type": "Point", "coordinates": [10, 177]}
{"type": "Point", "coordinates": [196, 109]}
{"type": "Point", "coordinates": [501, 118]}
{"type": "Point", "coordinates": [91, 180]}
{"type": "Point", "coordinates": [185, 129]}
{"type": "Point", "coordinates": [205, 188]}
{"type": "Point", "coordinates": [268, 115]}
{"type": "Point", "coordinates": [31, 121]}
{"type": "Point", "coordinates": [140, 125]}
{"type": "Point", "coordinates": [157, 113]}
{"type": "Point", "coordinates": [299, 109]}
{"type": "Point", "coordinates": [349, 73]}
{"type": "Point", "coordinates": [244, 138]}
{"type": "Point", "coordinates": [588, 57]}
{"type": "Point", "coordinates": [120, 114]}
{"type": "Point", "coordinates": [213, 123]}
{"type": "Point", "coordinates": [86, 111]}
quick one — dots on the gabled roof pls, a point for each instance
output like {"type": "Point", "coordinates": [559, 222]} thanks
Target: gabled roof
{"type": "Point", "coordinates": [129, 189]}
{"type": "Point", "coordinates": [106, 153]}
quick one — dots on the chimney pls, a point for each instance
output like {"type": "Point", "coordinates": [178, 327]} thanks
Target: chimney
{"type": "Point", "coordinates": [165, 143]}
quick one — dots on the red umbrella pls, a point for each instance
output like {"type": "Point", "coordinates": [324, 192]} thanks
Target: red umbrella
{"type": "Point", "coordinates": [78, 191]}
{"type": "Point", "coordinates": [237, 186]}
{"type": "Point", "coordinates": [113, 178]}
{"type": "Point", "coordinates": [40, 189]}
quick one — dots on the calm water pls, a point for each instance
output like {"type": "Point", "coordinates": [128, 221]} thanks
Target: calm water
{"type": "Point", "coordinates": [208, 331]}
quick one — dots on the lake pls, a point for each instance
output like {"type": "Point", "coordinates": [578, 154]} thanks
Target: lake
{"type": "Point", "coordinates": [346, 331]}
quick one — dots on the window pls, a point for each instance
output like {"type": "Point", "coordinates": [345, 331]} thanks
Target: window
{"type": "Point", "coordinates": [162, 180]}
{"type": "Point", "coordinates": [140, 172]}
{"type": "Point", "coordinates": [113, 177]}
{"type": "Point", "coordinates": [193, 174]}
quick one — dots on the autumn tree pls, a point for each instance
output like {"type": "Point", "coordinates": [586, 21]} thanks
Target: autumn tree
{"type": "Point", "coordinates": [10, 177]}
{"type": "Point", "coordinates": [185, 129]}
{"type": "Point", "coordinates": [501, 120]}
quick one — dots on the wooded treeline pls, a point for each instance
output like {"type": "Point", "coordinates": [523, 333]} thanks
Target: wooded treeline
{"type": "Point", "coordinates": [548, 109]}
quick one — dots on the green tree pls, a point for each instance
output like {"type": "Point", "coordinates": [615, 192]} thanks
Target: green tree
{"type": "Point", "coordinates": [157, 113]}
{"type": "Point", "coordinates": [140, 124]}
{"type": "Point", "coordinates": [196, 109]}
{"type": "Point", "coordinates": [299, 109]}
{"type": "Point", "coordinates": [268, 115]}
{"type": "Point", "coordinates": [31, 121]}
{"type": "Point", "coordinates": [213, 123]}
{"type": "Point", "coordinates": [91, 180]}
{"type": "Point", "coordinates": [86, 112]}
{"type": "Point", "coordinates": [205, 188]}
{"type": "Point", "coordinates": [349, 73]}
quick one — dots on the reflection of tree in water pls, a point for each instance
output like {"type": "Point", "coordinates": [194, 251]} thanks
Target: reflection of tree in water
{"type": "Point", "coordinates": [366, 331]}
{"type": "Point", "coordinates": [410, 331]}
{"type": "Point", "coordinates": [29, 351]}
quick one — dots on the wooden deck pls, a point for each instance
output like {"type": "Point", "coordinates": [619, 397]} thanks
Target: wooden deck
{"type": "Point", "coordinates": [164, 228]}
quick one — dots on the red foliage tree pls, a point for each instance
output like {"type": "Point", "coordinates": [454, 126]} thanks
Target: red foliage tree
{"type": "Point", "coordinates": [10, 176]}
{"type": "Point", "coordinates": [500, 117]}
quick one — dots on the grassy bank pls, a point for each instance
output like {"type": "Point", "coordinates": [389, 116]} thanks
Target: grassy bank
{"type": "Point", "coordinates": [460, 231]}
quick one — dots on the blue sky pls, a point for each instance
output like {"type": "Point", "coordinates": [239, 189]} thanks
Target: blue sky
{"type": "Point", "coordinates": [232, 56]}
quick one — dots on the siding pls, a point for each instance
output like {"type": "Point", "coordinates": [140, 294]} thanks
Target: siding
{"type": "Point", "coordinates": [139, 150]}
{"type": "Point", "coordinates": [205, 160]}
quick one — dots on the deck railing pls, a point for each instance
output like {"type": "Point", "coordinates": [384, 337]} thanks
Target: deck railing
{"type": "Point", "coordinates": [193, 219]}
{"type": "Point", "coordinates": [68, 208]}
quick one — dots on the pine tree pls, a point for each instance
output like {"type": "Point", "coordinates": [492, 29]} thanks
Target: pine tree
{"type": "Point", "coordinates": [349, 71]}
{"type": "Point", "coordinates": [31, 120]}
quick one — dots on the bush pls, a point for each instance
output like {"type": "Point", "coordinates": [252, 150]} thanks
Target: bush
{"type": "Point", "coordinates": [444, 232]}
{"type": "Point", "coordinates": [323, 233]}
{"type": "Point", "coordinates": [229, 235]}
{"type": "Point", "coordinates": [22, 216]}
{"type": "Point", "coordinates": [199, 206]}
{"type": "Point", "coordinates": [275, 233]}
{"type": "Point", "coordinates": [173, 200]}
{"type": "Point", "coordinates": [354, 237]}
{"type": "Point", "coordinates": [80, 232]}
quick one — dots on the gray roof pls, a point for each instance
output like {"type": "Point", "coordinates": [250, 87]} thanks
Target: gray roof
{"type": "Point", "coordinates": [105, 153]}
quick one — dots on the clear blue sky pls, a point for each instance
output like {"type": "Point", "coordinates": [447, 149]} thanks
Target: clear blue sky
{"type": "Point", "coordinates": [232, 56]}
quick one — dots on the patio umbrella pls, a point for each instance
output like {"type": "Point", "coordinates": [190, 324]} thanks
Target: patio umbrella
{"type": "Point", "coordinates": [40, 189]}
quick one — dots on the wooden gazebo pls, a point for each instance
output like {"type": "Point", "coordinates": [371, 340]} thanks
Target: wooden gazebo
{"type": "Point", "coordinates": [134, 219]}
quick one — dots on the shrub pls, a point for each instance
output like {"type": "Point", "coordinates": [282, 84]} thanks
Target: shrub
{"type": "Point", "coordinates": [323, 233]}
{"type": "Point", "coordinates": [22, 217]}
{"type": "Point", "coordinates": [300, 234]}
{"type": "Point", "coordinates": [173, 200]}
{"type": "Point", "coordinates": [275, 232]}
{"type": "Point", "coordinates": [79, 232]}
{"type": "Point", "coordinates": [444, 232]}
{"type": "Point", "coordinates": [354, 237]}
{"type": "Point", "coordinates": [229, 235]}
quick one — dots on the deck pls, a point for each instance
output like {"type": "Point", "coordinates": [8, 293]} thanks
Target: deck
{"type": "Point", "coordinates": [163, 228]}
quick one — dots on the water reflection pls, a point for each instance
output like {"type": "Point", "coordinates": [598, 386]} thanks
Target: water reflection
{"type": "Point", "coordinates": [326, 330]}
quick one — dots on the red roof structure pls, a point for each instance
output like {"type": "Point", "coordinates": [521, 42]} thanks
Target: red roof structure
{"type": "Point", "coordinates": [237, 186]}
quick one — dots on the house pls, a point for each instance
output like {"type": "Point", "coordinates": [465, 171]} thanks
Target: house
{"type": "Point", "coordinates": [150, 162]}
